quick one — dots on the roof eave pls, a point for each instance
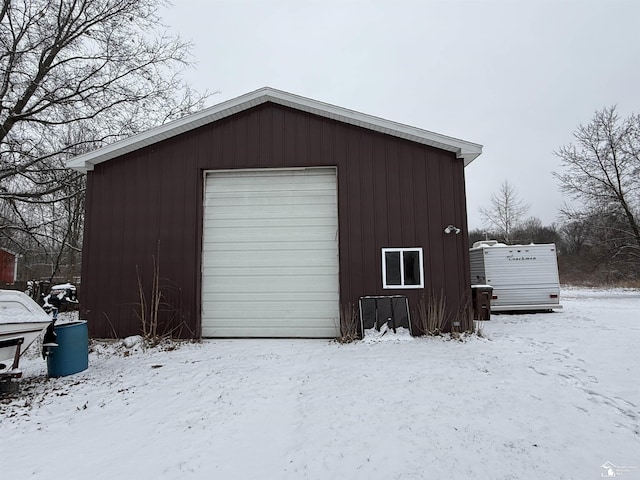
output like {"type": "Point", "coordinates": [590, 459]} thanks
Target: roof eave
{"type": "Point", "coordinates": [84, 163]}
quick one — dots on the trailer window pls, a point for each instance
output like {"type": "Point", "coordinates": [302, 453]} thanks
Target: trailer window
{"type": "Point", "coordinates": [402, 268]}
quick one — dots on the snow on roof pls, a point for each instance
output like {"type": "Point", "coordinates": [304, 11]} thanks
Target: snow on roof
{"type": "Point", "coordinates": [488, 243]}
{"type": "Point", "coordinates": [495, 243]}
{"type": "Point", "coordinates": [464, 150]}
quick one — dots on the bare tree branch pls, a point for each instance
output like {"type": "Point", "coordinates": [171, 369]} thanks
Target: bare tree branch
{"type": "Point", "coordinates": [74, 76]}
{"type": "Point", "coordinates": [506, 211]}
{"type": "Point", "coordinates": [601, 171]}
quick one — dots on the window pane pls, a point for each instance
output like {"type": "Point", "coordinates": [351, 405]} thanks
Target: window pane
{"type": "Point", "coordinates": [411, 260]}
{"type": "Point", "coordinates": [392, 265]}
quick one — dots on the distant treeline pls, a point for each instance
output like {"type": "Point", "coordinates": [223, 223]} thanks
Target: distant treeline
{"type": "Point", "coordinates": [593, 250]}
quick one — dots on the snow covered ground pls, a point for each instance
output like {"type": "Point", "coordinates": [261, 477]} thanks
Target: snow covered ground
{"type": "Point", "coordinates": [542, 396]}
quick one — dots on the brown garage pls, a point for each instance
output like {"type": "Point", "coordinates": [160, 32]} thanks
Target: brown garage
{"type": "Point", "coordinates": [266, 214]}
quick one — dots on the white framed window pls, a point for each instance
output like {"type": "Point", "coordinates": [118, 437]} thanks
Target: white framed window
{"type": "Point", "coordinates": [402, 268]}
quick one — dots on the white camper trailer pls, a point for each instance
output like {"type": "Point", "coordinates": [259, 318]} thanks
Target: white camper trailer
{"type": "Point", "coordinates": [523, 277]}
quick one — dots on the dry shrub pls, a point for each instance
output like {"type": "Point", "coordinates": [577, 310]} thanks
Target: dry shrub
{"type": "Point", "coordinates": [478, 329]}
{"type": "Point", "coordinates": [158, 303]}
{"type": "Point", "coordinates": [463, 317]}
{"type": "Point", "coordinates": [349, 331]}
{"type": "Point", "coordinates": [149, 308]}
{"type": "Point", "coordinates": [433, 318]}
{"type": "Point", "coordinates": [432, 314]}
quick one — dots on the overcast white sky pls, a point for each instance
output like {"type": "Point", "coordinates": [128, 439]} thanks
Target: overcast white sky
{"type": "Point", "coordinates": [515, 76]}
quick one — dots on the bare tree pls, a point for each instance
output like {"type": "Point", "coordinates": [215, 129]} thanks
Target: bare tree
{"type": "Point", "coordinates": [506, 211]}
{"type": "Point", "coordinates": [532, 230]}
{"type": "Point", "coordinates": [75, 75]}
{"type": "Point", "coordinates": [601, 170]}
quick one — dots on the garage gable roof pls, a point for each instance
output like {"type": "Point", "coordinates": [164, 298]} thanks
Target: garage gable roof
{"type": "Point", "coordinates": [464, 150]}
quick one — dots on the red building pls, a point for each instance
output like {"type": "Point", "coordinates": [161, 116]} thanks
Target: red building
{"type": "Point", "coordinates": [266, 214]}
{"type": "Point", "coordinates": [8, 266]}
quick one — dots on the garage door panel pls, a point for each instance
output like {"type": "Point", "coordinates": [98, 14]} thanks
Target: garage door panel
{"type": "Point", "coordinates": [264, 265]}
{"type": "Point", "coordinates": [261, 214]}
{"type": "Point", "coordinates": [273, 221]}
{"type": "Point", "coordinates": [269, 331]}
{"type": "Point", "coordinates": [263, 300]}
{"type": "Point", "coordinates": [265, 258]}
{"type": "Point", "coordinates": [285, 308]}
{"type": "Point", "coordinates": [270, 297]}
{"type": "Point", "coordinates": [309, 176]}
{"type": "Point", "coordinates": [282, 325]}
{"type": "Point", "coordinates": [266, 189]}
{"type": "Point", "coordinates": [270, 254]}
{"type": "Point", "coordinates": [230, 314]}
{"type": "Point", "coordinates": [267, 284]}
{"type": "Point", "coordinates": [268, 179]}
{"type": "Point", "coordinates": [278, 266]}
{"type": "Point", "coordinates": [267, 200]}
{"type": "Point", "coordinates": [267, 247]}
{"type": "Point", "coordinates": [266, 272]}
{"type": "Point", "coordinates": [270, 233]}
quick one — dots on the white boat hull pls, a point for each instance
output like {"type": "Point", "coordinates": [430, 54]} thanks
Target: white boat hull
{"type": "Point", "coordinates": [28, 332]}
{"type": "Point", "coordinates": [20, 317]}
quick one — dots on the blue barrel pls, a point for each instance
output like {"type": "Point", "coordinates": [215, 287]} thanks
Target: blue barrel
{"type": "Point", "coordinates": [72, 353]}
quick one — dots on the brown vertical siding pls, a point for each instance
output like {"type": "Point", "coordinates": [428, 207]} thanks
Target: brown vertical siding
{"type": "Point", "coordinates": [391, 193]}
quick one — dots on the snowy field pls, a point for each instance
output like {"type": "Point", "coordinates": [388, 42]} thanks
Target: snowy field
{"type": "Point", "coordinates": [541, 396]}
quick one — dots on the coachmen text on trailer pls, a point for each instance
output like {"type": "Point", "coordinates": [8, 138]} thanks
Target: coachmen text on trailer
{"type": "Point", "coordinates": [523, 277]}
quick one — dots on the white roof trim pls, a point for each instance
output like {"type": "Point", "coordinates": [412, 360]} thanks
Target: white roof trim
{"type": "Point", "coordinates": [465, 150]}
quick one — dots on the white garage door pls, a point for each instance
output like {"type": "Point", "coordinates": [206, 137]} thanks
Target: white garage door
{"type": "Point", "coordinates": [270, 254]}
